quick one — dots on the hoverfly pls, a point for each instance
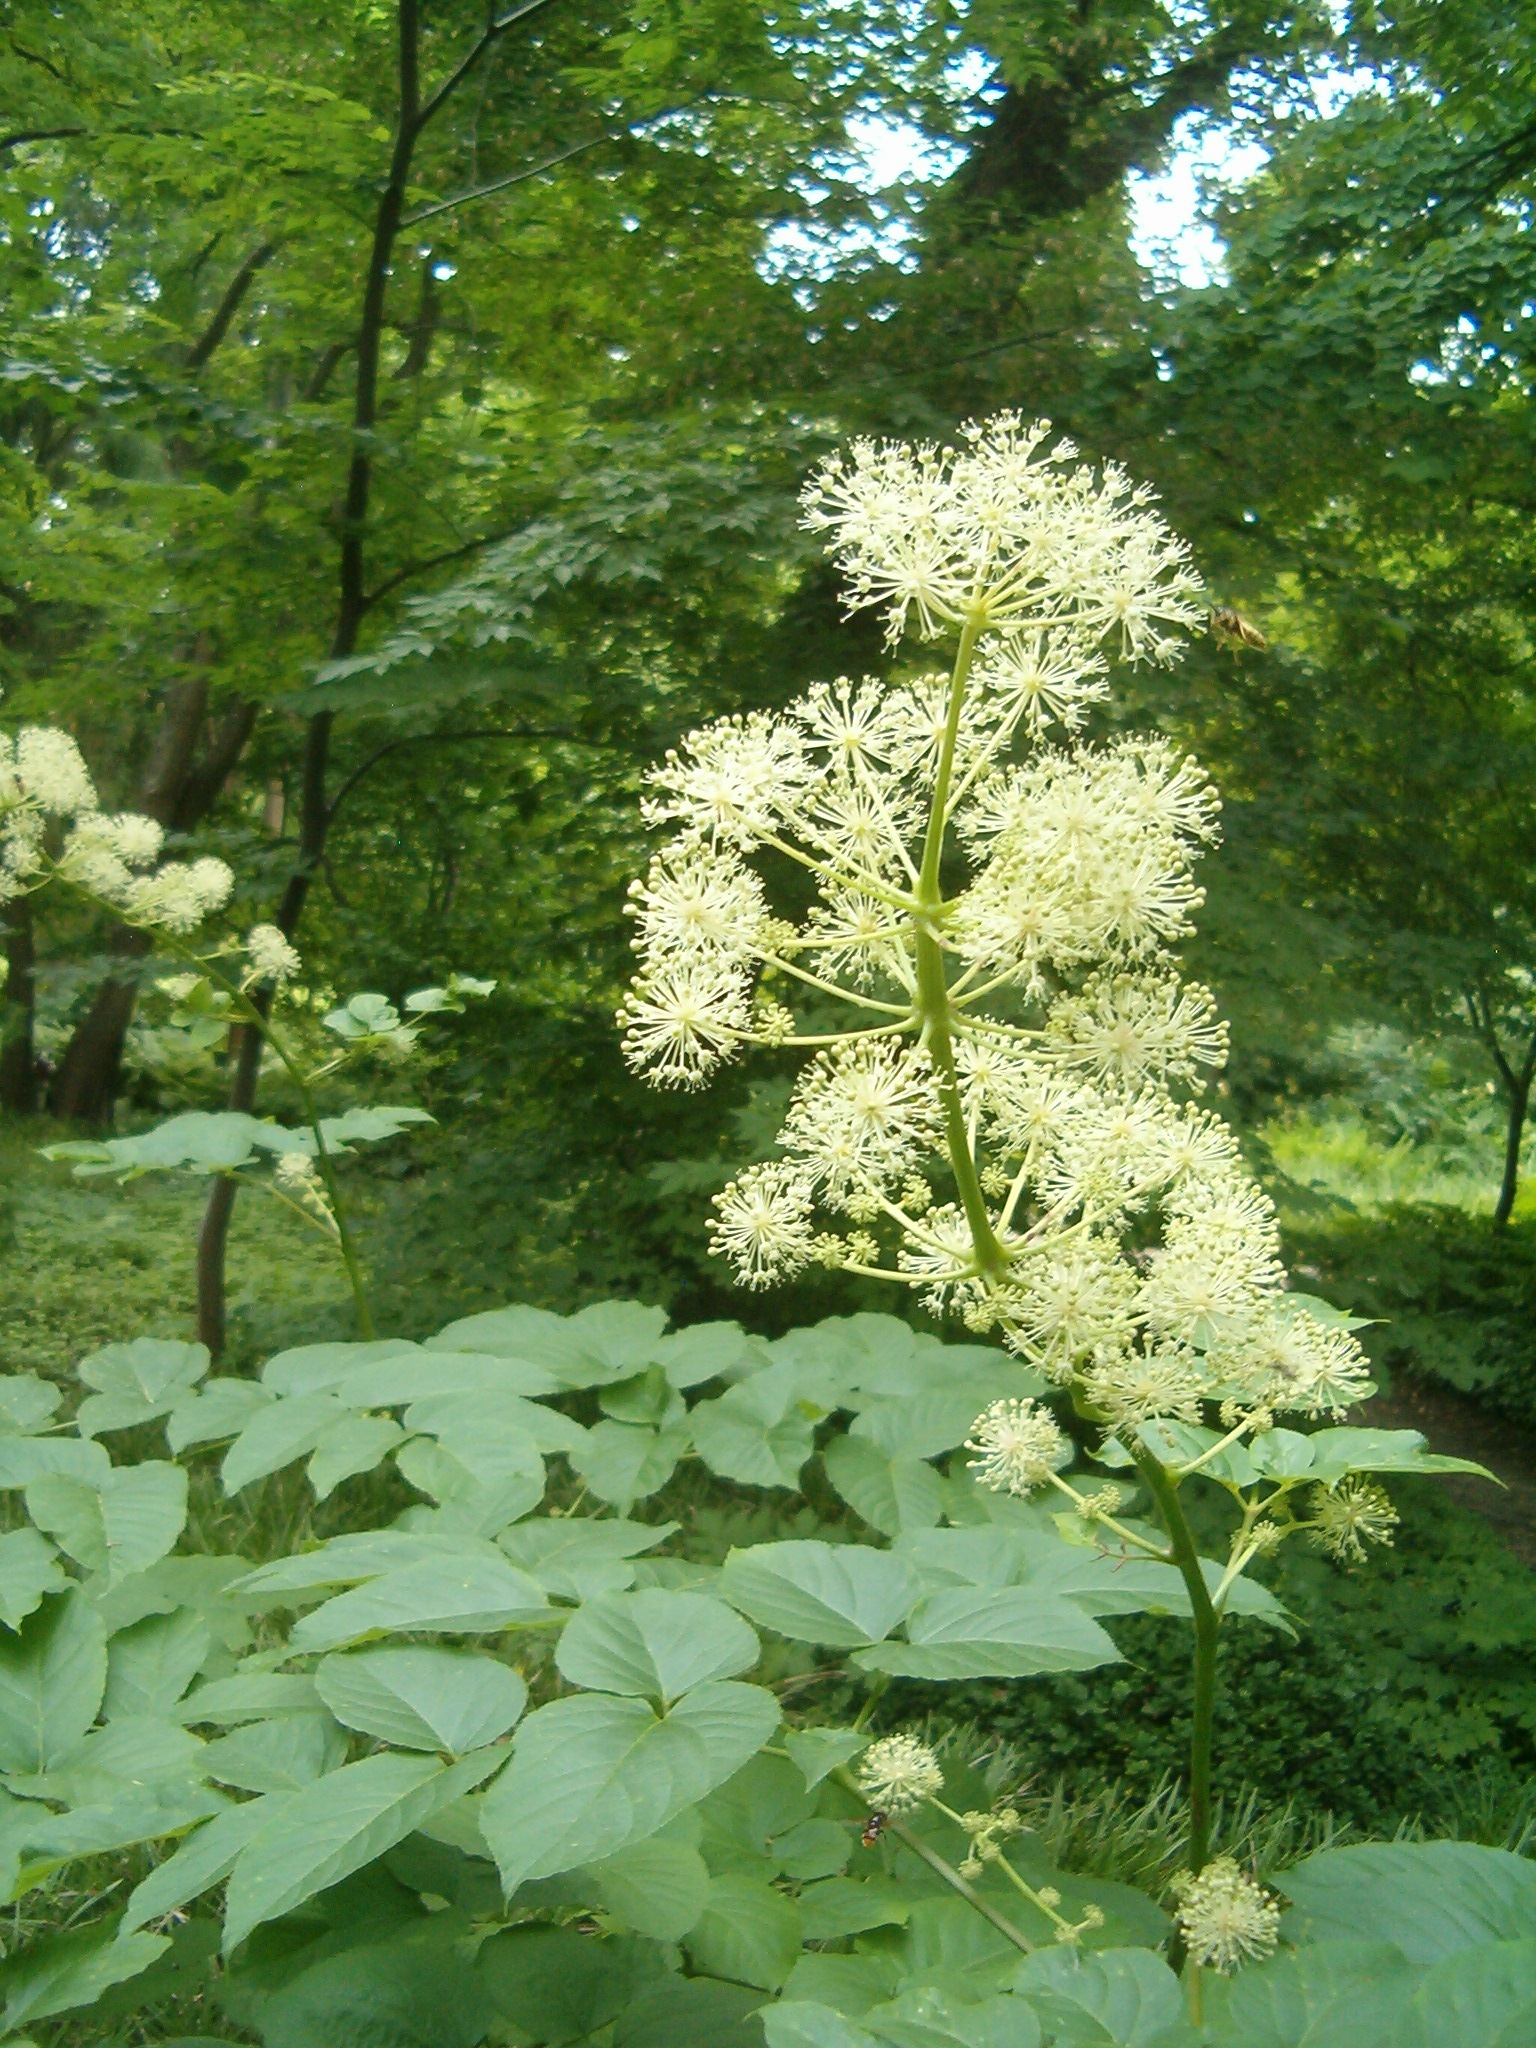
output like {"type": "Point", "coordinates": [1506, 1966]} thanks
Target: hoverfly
{"type": "Point", "coordinates": [1231, 629]}
{"type": "Point", "coordinates": [874, 1828]}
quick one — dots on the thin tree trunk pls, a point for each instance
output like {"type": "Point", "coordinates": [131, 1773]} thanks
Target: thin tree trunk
{"type": "Point", "coordinates": [18, 1056]}
{"type": "Point", "coordinates": [315, 811]}
{"type": "Point", "coordinates": [1517, 1093]}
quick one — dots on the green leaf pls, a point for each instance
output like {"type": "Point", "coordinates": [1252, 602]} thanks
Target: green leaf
{"type": "Point", "coordinates": [555, 1986]}
{"type": "Point", "coordinates": [122, 1525]}
{"type": "Point", "coordinates": [892, 1494]}
{"type": "Point", "coordinates": [802, 2023]}
{"type": "Point", "coordinates": [455, 1417]}
{"type": "Point", "coordinates": [1336, 1452]}
{"type": "Point", "coordinates": [843, 1595]}
{"type": "Point", "coordinates": [151, 1664]}
{"type": "Point", "coordinates": [578, 1559]}
{"type": "Point", "coordinates": [448, 1700]}
{"type": "Point", "coordinates": [840, 1906]}
{"type": "Point", "coordinates": [203, 1860]}
{"type": "Point", "coordinates": [277, 1435]}
{"type": "Point", "coordinates": [1429, 1899]}
{"type": "Point", "coordinates": [52, 1677]}
{"type": "Point", "coordinates": [143, 1509]}
{"type": "Point", "coordinates": [348, 1560]}
{"type": "Point", "coordinates": [1485, 1995]}
{"type": "Point", "coordinates": [591, 1775]}
{"type": "Point", "coordinates": [24, 1459]}
{"type": "Point", "coordinates": [282, 1755]}
{"type": "Point", "coordinates": [656, 1888]}
{"type": "Point", "coordinates": [477, 1596]}
{"type": "Point", "coordinates": [622, 1462]}
{"type": "Point", "coordinates": [655, 1644]}
{"type": "Point", "coordinates": [249, 1696]}
{"type": "Point", "coordinates": [691, 2012]}
{"type": "Point", "coordinates": [71, 1970]}
{"type": "Point", "coordinates": [137, 1382]}
{"type": "Point", "coordinates": [820, 1751]}
{"type": "Point", "coordinates": [1343, 1994]}
{"type": "Point", "coordinates": [925, 2016]}
{"type": "Point", "coordinates": [356, 1444]}
{"type": "Point", "coordinates": [940, 1417]}
{"type": "Point", "coordinates": [760, 1433]}
{"type": "Point", "coordinates": [849, 1984]}
{"type": "Point", "coordinates": [29, 1568]}
{"type": "Point", "coordinates": [334, 1368]}
{"type": "Point", "coordinates": [26, 1403]}
{"type": "Point", "coordinates": [611, 1340]}
{"type": "Point", "coordinates": [366, 1124]}
{"type": "Point", "coordinates": [748, 1932]}
{"type": "Point", "coordinates": [706, 1351]}
{"type": "Point", "coordinates": [315, 1838]}
{"type": "Point", "coordinates": [986, 1633]}
{"type": "Point", "coordinates": [1120, 1997]}
{"type": "Point", "coordinates": [222, 1409]}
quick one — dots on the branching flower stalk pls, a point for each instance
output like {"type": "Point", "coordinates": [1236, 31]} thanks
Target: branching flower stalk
{"type": "Point", "coordinates": [1009, 1125]}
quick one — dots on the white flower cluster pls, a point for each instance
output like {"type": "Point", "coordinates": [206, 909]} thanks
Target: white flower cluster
{"type": "Point", "coordinates": [1226, 1918]}
{"type": "Point", "coordinates": [51, 824]}
{"type": "Point", "coordinates": [898, 1773]}
{"type": "Point", "coordinates": [1006, 1125]}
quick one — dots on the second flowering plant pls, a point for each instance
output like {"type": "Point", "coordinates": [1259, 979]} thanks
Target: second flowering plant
{"type": "Point", "coordinates": [1005, 1117]}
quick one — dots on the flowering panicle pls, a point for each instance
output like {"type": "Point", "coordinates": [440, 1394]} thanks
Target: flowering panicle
{"type": "Point", "coordinates": [51, 824]}
{"type": "Point", "coordinates": [1005, 1125]}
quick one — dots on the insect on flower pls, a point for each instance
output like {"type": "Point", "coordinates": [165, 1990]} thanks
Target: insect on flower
{"type": "Point", "coordinates": [874, 1828]}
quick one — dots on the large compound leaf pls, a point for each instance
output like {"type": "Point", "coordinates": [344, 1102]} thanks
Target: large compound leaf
{"type": "Point", "coordinates": [591, 1775]}
{"type": "Point", "coordinates": [654, 1644]}
{"type": "Point", "coordinates": [844, 1595]}
{"type": "Point", "coordinates": [1429, 1899]}
{"type": "Point", "coordinates": [315, 1838]}
{"type": "Point", "coordinates": [418, 1698]}
{"type": "Point", "coordinates": [52, 1677]}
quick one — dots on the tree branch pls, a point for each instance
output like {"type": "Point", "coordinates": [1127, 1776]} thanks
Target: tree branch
{"type": "Point", "coordinates": [37, 135]}
{"type": "Point", "coordinates": [502, 184]}
{"type": "Point", "coordinates": [431, 739]}
{"type": "Point", "coordinates": [427, 562]}
{"type": "Point", "coordinates": [493, 31]}
{"type": "Point", "coordinates": [229, 305]}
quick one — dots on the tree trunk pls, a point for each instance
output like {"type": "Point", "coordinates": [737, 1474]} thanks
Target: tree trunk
{"type": "Point", "coordinates": [1518, 1096]}
{"type": "Point", "coordinates": [18, 1057]}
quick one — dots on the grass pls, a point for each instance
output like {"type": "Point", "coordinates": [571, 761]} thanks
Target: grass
{"type": "Point", "coordinates": [1344, 1161]}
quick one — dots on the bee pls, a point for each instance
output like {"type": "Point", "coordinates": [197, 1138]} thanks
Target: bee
{"type": "Point", "coordinates": [1231, 629]}
{"type": "Point", "coordinates": [874, 1828]}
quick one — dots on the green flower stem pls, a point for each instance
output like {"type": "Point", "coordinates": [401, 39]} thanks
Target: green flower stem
{"type": "Point", "coordinates": [947, 1871]}
{"type": "Point", "coordinates": [933, 1004]}
{"type": "Point", "coordinates": [1207, 1623]}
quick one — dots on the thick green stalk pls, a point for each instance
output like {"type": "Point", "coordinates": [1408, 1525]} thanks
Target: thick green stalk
{"type": "Point", "coordinates": [933, 1004]}
{"type": "Point", "coordinates": [1207, 1622]}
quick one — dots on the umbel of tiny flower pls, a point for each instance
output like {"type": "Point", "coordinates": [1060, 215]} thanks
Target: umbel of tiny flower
{"type": "Point", "coordinates": [898, 1773]}
{"type": "Point", "coordinates": [1348, 1517]}
{"type": "Point", "coordinates": [1225, 1917]}
{"type": "Point", "coordinates": [51, 825]}
{"type": "Point", "coordinates": [998, 1109]}
{"type": "Point", "coordinates": [1018, 1446]}
{"type": "Point", "coordinates": [270, 955]}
